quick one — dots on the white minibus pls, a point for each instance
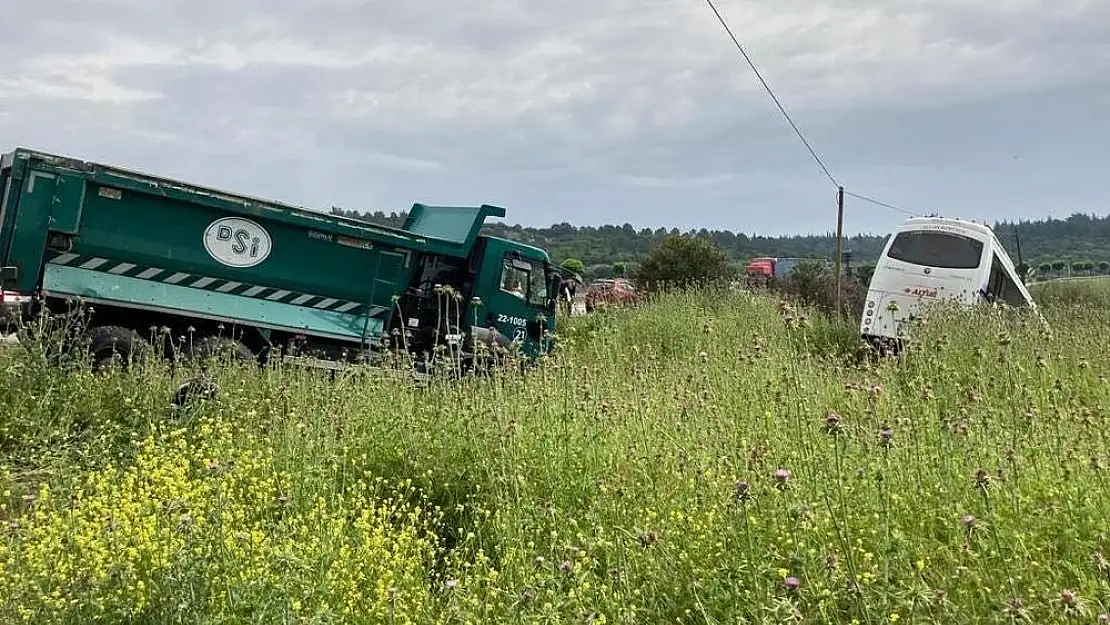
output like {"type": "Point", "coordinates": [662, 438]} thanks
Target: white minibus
{"type": "Point", "coordinates": [937, 258]}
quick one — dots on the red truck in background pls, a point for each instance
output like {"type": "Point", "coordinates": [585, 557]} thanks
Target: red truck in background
{"type": "Point", "coordinates": [770, 267]}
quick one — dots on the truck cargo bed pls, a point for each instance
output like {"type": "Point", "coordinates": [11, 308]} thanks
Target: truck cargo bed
{"type": "Point", "coordinates": [79, 229]}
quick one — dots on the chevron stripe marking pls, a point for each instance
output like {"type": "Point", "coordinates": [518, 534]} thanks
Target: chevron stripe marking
{"type": "Point", "coordinates": [206, 283]}
{"type": "Point", "coordinates": [93, 263]}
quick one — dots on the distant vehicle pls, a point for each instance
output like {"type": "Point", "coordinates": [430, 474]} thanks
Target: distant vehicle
{"type": "Point", "coordinates": [770, 267]}
{"type": "Point", "coordinates": [935, 258]}
{"type": "Point", "coordinates": [610, 291]}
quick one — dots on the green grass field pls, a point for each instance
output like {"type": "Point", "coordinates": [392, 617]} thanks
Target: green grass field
{"type": "Point", "coordinates": [704, 460]}
{"type": "Point", "coordinates": [1092, 292]}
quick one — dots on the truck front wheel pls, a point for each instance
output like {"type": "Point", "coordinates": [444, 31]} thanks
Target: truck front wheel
{"type": "Point", "coordinates": [115, 344]}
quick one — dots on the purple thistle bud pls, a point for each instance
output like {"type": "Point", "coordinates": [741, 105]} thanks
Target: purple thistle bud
{"type": "Point", "coordinates": [782, 476]}
{"type": "Point", "coordinates": [791, 583]}
{"type": "Point", "coordinates": [886, 435]}
{"type": "Point", "coordinates": [743, 490]}
{"type": "Point", "coordinates": [968, 520]}
{"type": "Point", "coordinates": [982, 478]}
{"type": "Point", "coordinates": [1104, 618]}
{"type": "Point", "coordinates": [832, 423]}
{"type": "Point", "coordinates": [1068, 597]}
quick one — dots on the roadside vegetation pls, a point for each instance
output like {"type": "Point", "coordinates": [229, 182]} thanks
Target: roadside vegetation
{"type": "Point", "coordinates": [708, 457]}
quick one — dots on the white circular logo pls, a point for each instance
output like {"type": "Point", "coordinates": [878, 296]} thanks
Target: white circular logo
{"type": "Point", "coordinates": [237, 242]}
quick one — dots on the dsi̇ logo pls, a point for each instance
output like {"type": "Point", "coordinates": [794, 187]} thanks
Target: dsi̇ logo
{"type": "Point", "coordinates": [237, 242]}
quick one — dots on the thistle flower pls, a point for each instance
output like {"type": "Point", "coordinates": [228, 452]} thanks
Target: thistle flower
{"type": "Point", "coordinates": [743, 490]}
{"type": "Point", "coordinates": [782, 476]}
{"type": "Point", "coordinates": [982, 478]}
{"type": "Point", "coordinates": [1015, 609]}
{"type": "Point", "coordinates": [886, 435]}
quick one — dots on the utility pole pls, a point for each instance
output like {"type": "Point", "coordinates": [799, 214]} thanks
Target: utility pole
{"type": "Point", "coordinates": [839, 241]}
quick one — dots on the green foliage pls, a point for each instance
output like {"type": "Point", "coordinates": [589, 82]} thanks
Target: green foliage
{"type": "Point", "coordinates": [707, 458]}
{"type": "Point", "coordinates": [682, 261]}
{"type": "Point", "coordinates": [814, 285]}
{"type": "Point", "coordinates": [575, 265]}
{"type": "Point", "coordinates": [863, 273]}
{"type": "Point", "coordinates": [620, 270]}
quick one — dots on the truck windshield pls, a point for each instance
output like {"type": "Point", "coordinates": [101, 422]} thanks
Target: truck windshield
{"type": "Point", "coordinates": [937, 249]}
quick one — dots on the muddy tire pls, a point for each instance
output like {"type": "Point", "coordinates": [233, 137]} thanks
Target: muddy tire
{"type": "Point", "coordinates": [115, 345]}
{"type": "Point", "coordinates": [195, 389]}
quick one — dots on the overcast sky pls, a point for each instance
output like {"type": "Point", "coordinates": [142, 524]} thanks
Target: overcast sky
{"type": "Point", "coordinates": [587, 111]}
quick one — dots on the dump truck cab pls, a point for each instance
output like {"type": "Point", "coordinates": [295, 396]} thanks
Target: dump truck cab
{"type": "Point", "coordinates": [503, 293]}
{"type": "Point", "coordinates": [517, 293]}
{"type": "Point", "coordinates": [485, 290]}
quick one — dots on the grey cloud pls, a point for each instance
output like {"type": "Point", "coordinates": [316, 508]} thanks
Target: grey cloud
{"type": "Point", "coordinates": [637, 106]}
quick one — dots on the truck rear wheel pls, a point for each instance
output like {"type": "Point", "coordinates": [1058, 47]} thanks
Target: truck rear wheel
{"type": "Point", "coordinates": [221, 347]}
{"type": "Point", "coordinates": [115, 344]}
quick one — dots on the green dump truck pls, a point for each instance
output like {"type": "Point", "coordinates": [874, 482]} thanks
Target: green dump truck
{"type": "Point", "coordinates": [259, 278]}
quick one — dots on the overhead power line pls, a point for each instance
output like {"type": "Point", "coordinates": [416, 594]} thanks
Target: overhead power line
{"type": "Point", "coordinates": [878, 203]}
{"type": "Point", "coordinates": [790, 120]}
{"type": "Point", "coordinates": [771, 93]}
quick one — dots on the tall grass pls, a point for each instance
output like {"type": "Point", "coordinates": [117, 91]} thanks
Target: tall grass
{"type": "Point", "coordinates": [1075, 292]}
{"type": "Point", "coordinates": [709, 458]}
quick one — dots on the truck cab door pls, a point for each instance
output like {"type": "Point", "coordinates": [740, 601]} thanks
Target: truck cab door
{"type": "Point", "coordinates": [519, 295]}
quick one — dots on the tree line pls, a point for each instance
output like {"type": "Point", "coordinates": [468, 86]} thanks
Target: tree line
{"type": "Point", "coordinates": [1053, 247]}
